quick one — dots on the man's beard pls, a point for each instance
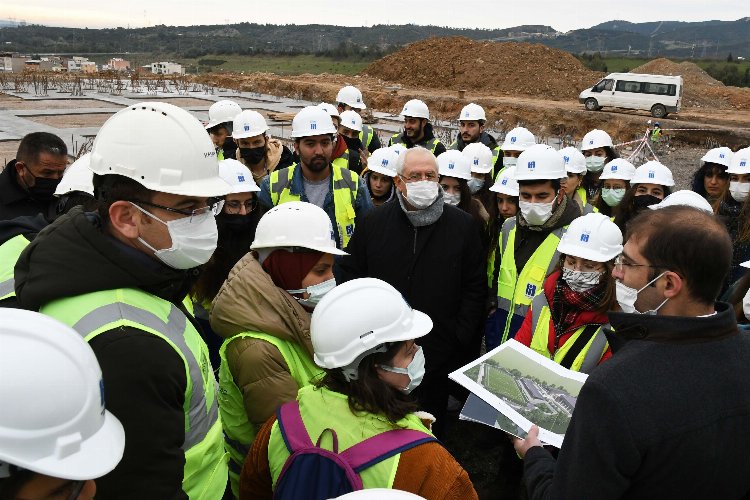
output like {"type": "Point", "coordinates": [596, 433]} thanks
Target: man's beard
{"type": "Point", "coordinates": [317, 163]}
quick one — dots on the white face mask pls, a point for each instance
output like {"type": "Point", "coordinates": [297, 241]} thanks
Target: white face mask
{"type": "Point", "coordinates": [595, 163]}
{"type": "Point", "coordinates": [739, 190]}
{"type": "Point", "coordinates": [415, 370]}
{"type": "Point", "coordinates": [580, 281]}
{"type": "Point", "coordinates": [509, 161]}
{"type": "Point", "coordinates": [475, 185]}
{"type": "Point", "coordinates": [452, 199]}
{"type": "Point", "coordinates": [316, 293]}
{"type": "Point", "coordinates": [421, 194]}
{"type": "Point", "coordinates": [193, 240]}
{"type": "Point", "coordinates": [536, 214]}
{"type": "Point", "coordinates": [627, 296]}
{"type": "Point", "coordinates": [612, 197]}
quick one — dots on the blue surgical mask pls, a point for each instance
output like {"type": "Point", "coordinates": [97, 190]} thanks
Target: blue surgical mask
{"type": "Point", "coordinates": [415, 370]}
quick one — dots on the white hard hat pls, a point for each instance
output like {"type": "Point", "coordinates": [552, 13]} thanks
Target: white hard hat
{"type": "Point", "coordinates": [653, 172]}
{"type": "Point", "coordinates": [296, 224]}
{"type": "Point", "coordinates": [506, 182]}
{"type": "Point", "coordinates": [238, 176]}
{"type": "Point", "coordinates": [310, 121]}
{"type": "Point", "coordinates": [721, 156]}
{"type": "Point", "coordinates": [351, 96]}
{"type": "Point", "coordinates": [575, 162]}
{"type": "Point", "coordinates": [740, 162]}
{"type": "Point", "coordinates": [596, 139]}
{"type": "Point", "coordinates": [380, 494]}
{"type": "Point", "coordinates": [472, 112]}
{"type": "Point", "coordinates": [330, 109]}
{"type": "Point", "coordinates": [398, 148]}
{"type": "Point", "coordinates": [359, 316]}
{"type": "Point", "coordinates": [352, 120]}
{"type": "Point", "coordinates": [453, 163]}
{"type": "Point", "coordinates": [53, 419]}
{"type": "Point", "coordinates": [684, 197]}
{"type": "Point", "coordinates": [540, 162]}
{"type": "Point", "coordinates": [132, 143]}
{"type": "Point", "coordinates": [249, 123]}
{"type": "Point", "coordinates": [383, 161]}
{"type": "Point", "coordinates": [415, 109]}
{"type": "Point", "coordinates": [222, 112]}
{"type": "Point", "coordinates": [518, 139]}
{"type": "Point", "coordinates": [77, 177]}
{"type": "Point", "coordinates": [593, 237]}
{"type": "Point", "coordinates": [480, 157]}
{"type": "Point", "coordinates": [618, 169]}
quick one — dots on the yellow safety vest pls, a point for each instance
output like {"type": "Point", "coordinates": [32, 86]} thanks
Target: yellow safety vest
{"type": "Point", "coordinates": [239, 432]}
{"type": "Point", "coordinates": [91, 314]}
{"type": "Point", "coordinates": [430, 144]}
{"type": "Point", "coordinates": [586, 360]}
{"type": "Point", "coordinates": [366, 135]}
{"type": "Point", "coordinates": [9, 253]}
{"type": "Point", "coordinates": [345, 186]}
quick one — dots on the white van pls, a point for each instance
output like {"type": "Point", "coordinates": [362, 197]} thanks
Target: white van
{"type": "Point", "coordinates": [658, 94]}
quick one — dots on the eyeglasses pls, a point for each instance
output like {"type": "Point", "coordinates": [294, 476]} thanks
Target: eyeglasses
{"type": "Point", "coordinates": [234, 207]}
{"type": "Point", "coordinates": [432, 177]}
{"type": "Point", "coordinates": [620, 264]}
{"type": "Point", "coordinates": [215, 205]}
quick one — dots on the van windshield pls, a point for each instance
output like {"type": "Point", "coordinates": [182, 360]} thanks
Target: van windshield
{"type": "Point", "coordinates": [605, 84]}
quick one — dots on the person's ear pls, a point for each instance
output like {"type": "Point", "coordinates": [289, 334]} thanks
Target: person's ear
{"type": "Point", "coordinates": [124, 218]}
{"type": "Point", "coordinates": [673, 284]}
{"type": "Point", "coordinates": [20, 166]}
{"type": "Point", "coordinates": [400, 184]}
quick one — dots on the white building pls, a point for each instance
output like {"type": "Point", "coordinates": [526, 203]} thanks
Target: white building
{"type": "Point", "coordinates": [80, 64]}
{"type": "Point", "coordinates": [167, 68]}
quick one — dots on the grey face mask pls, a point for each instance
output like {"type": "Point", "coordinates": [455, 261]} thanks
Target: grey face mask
{"type": "Point", "coordinates": [316, 292]}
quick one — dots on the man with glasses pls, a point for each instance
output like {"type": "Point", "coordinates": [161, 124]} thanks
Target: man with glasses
{"type": "Point", "coordinates": [431, 252]}
{"type": "Point", "coordinates": [120, 277]}
{"type": "Point", "coordinates": [667, 415]}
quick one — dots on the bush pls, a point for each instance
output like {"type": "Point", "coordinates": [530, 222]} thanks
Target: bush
{"type": "Point", "coordinates": [211, 62]}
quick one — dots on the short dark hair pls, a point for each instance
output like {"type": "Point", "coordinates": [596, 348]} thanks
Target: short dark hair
{"type": "Point", "coordinates": [35, 143]}
{"type": "Point", "coordinates": [112, 187]}
{"type": "Point", "coordinates": [228, 126]}
{"type": "Point", "coordinates": [687, 241]}
{"type": "Point", "coordinates": [536, 182]}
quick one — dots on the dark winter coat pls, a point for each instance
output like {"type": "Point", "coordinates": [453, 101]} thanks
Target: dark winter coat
{"type": "Point", "coordinates": [15, 201]}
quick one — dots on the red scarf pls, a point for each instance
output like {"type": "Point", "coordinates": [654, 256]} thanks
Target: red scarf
{"type": "Point", "coordinates": [288, 269]}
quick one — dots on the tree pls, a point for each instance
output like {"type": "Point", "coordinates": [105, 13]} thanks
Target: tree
{"type": "Point", "coordinates": [730, 58]}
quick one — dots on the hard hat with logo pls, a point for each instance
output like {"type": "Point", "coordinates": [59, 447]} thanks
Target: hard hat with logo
{"type": "Point", "coordinates": [249, 123]}
{"type": "Point", "coordinates": [345, 327]}
{"type": "Point", "coordinates": [480, 157]}
{"type": "Point", "coordinates": [592, 237]}
{"type": "Point", "coordinates": [575, 162]}
{"type": "Point", "coordinates": [720, 156]}
{"type": "Point", "coordinates": [222, 112]}
{"type": "Point", "coordinates": [399, 148]}
{"type": "Point", "coordinates": [653, 172]}
{"type": "Point", "coordinates": [238, 176]}
{"type": "Point", "coordinates": [383, 161]}
{"type": "Point", "coordinates": [131, 143]}
{"type": "Point", "coordinates": [540, 162]}
{"type": "Point", "coordinates": [472, 112]}
{"type": "Point", "coordinates": [351, 120]}
{"type": "Point", "coordinates": [311, 121]}
{"type": "Point", "coordinates": [506, 182]}
{"type": "Point", "coordinates": [330, 109]}
{"type": "Point", "coordinates": [518, 139]}
{"type": "Point", "coordinates": [351, 96]}
{"type": "Point", "coordinates": [380, 494]}
{"type": "Point", "coordinates": [453, 163]}
{"type": "Point", "coordinates": [415, 109]}
{"type": "Point", "coordinates": [296, 224]}
{"type": "Point", "coordinates": [53, 420]}
{"type": "Point", "coordinates": [684, 197]}
{"type": "Point", "coordinates": [618, 169]}
{"type": "Point", "coordinates": [77, 177]}
{"type": "Point", "coordinates": [596, 139]}
{"type": "Point", "coordinates": [740, 162]}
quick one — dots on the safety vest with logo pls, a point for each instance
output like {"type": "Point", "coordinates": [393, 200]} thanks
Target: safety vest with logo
{"type": "Point", "coordinates": [586, 360]}
{"type": "Point", "coordinates": [239, 432]}
{"type": "Point", "coordinates": [430, 144]}
{"type": "Point", "coordinates": [345, 187]}
{"type": "Point", "coordinates": [322, 409]}
{"type": "Point", "coordinates": [366, 135]}
{"type": "Point", "coordinates": [9, 253]}
{"type": "Point", "coordinates": [514, 290]}
{"type": "Point", "coordinates": [91, 314]}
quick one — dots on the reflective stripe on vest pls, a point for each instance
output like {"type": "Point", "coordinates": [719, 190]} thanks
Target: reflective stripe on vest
{"type": "Point", "coordinates": [586, 360]}
{"type": "Point", "coordinates": [322, 409]}
{"type": "Point", "coordinates": [9, 253]}
{"type": "Point", "coordinates": [205, 469]}
{"type": "Point", "coordinates": [430, 144]}
{"type": "Point", "coordinates": [239, 432]}
{"type": "Point", "coordinates": [514, 290]}
{"type": "Point", "coordinates": [366, 135]}
{"type": "Point", "coordinates": [345, 187]}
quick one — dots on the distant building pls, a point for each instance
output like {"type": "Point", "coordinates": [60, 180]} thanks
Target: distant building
{"type": "Point", "coordinates": [6, 61]}
{"type": "Point", "coordinates": [80, 64]}
{"type": "Point", "coordinates": [117, 64]}
{"type": "Point", "coordinates": [566, 401]}
{"type": "Point", "coordinates": [51, 63]}
{"type": "Point", "coordinates": [31, 64]}
{"type": "Point", "coordinates": [532, 390]}
{"type": "Point", "coordinates": [18, 63]}
{"type": "Point", "coordinates": [166, 68]}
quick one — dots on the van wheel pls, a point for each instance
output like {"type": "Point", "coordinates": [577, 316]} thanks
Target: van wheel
{"type": "Point", "coordinates": [658, 111]}
{"type": "Point", "coordinates": [591, 105]}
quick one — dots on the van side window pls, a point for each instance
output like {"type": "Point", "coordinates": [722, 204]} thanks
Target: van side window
{"type": "Point", "coordinates": [603, 85]}
{"type": "Point", "coordinates": [660, 89]}
{"type": "Point", "coordinates": [608, 84]}
{"type": "Point", "coordinates": [626, 86]}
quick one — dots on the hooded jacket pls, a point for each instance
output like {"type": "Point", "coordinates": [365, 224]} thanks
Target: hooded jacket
{"type": "Point", "coordinates": [484, 138]}
{"type": "Point", "coordinates": [144, 376]}
{"type": "Point", "coordinates": [278, 156]}
{"type": "Point", "coordinates": [429, 134]}
{"type": "Point", "coordinates": [250, 301]}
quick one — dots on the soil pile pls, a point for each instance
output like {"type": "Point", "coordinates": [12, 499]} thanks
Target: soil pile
{"type": "Point", "coordinates": [509, 68]}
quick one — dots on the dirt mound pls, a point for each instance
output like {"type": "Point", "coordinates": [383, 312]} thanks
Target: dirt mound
{"type": "Point", "coordinates": [691, 73]}
{"type": "Point", "coordinates": [509, 68]}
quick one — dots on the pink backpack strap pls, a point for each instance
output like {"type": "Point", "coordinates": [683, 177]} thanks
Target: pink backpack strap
{"type": "Point", "coordinates": [383, 446]}
{"type": "Point", "coordinates": [292, 428]}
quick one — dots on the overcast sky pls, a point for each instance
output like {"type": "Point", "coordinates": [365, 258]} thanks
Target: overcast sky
{"type": "Point", "coordinates": [561, 15]}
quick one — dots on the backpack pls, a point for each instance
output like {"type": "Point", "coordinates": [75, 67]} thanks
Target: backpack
{"type": "Point", "coordinates": [314, 473]}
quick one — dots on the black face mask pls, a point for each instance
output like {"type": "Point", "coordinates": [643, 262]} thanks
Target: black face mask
{"type": "Point", "coordinates": [235, 223]}
{"type": "Point", "coordinates": [645, 200]}
{"type": "Point", "coordinates": [353, 143]}
{"type": "Point", "coordinates": [253, 155]}
{"type": "Point", "coordinates": [43, 188]}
